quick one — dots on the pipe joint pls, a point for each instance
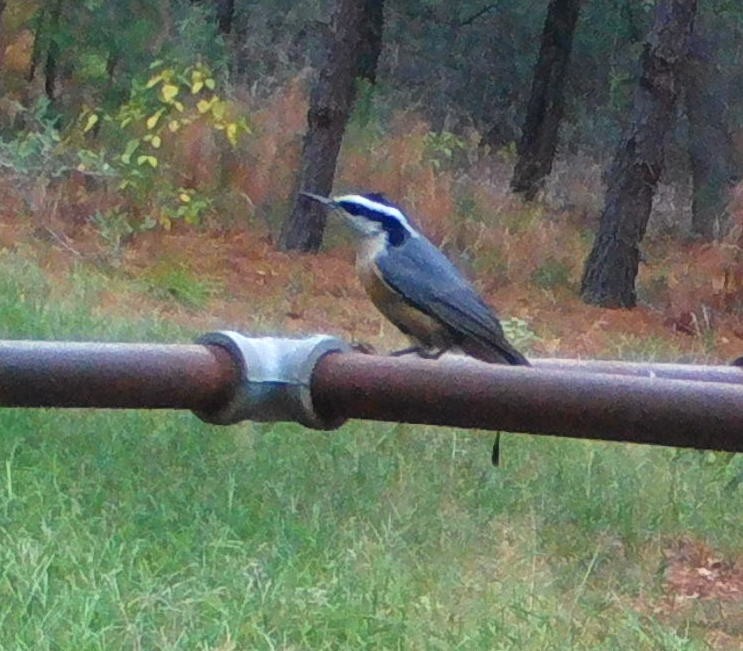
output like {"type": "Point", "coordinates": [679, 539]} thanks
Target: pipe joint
{"type": "Point", "coordinates": [275, 375]}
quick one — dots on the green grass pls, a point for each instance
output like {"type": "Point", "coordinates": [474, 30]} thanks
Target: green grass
{"type": "Point", "coordinates": [155, 531]}
{"type": "Point", "coordinates": [173, 281]}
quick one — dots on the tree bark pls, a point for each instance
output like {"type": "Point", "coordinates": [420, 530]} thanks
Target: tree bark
{"type": "Point", "coordinates": [544, 111]}
{"type": "Point", "coordinates": [225, 15]}
{"type": "Point", "coordinates": [2, 34]}
{"type": "Point", "coordinates": [36, 49]}
{"type": "Point", "coordinates": [711, 150]}
{"type": "Point", "coordinates": [330, 107]}
{"type": "Point", "coordinates": [611, 267]}
{"type": "Point", "coordinates": [52, 53]}
{"type": "Point", "coordinates": [371, 40]}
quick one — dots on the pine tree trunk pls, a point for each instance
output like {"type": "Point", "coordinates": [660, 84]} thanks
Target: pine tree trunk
{"type": "Point", "coordinates": [39, 35]}
{"type": "Point", "coordinates": [711, 150]}
{"type": "Point", "coordinates": [225, 15]}
{"type": "Point", "coordinates": [544, 111]}
{"type": "Point", "coordinates": [612, 265]}
{"type": "Point", "coordinates": [330, 107]}
{"type": "Point", "coordinates": [371, 40]}
{"type": "Point", "coordinates": [52, 53]}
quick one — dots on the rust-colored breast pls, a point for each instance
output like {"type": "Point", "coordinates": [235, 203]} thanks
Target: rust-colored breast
{"type": "Point", "coordinates": [417, 325]}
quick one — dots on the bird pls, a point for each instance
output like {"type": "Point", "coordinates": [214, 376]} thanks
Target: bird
{"type": "Point", "coordinates": [416, 287]}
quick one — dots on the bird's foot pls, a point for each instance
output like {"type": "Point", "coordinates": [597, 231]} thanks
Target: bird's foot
{"type": "Point", "coordinates": [363, 347]}
{"type": "Point", "coordinates": [406, 351]}
{"type": "Point", "coordinates": [425, 353]}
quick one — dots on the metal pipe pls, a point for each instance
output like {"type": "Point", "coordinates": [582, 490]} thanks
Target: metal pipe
{"type": "Point", "coordinates": [682, 413]}
{"type": "Point", "coordinates": [605, 405]}
{"type": "Point", "coordinates": [728, 374]}
{"type": "Point", "coordinates": [139, 376]}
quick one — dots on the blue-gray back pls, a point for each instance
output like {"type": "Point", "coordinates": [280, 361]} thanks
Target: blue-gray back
{"type": "Point", "coordinates": [429, 281]}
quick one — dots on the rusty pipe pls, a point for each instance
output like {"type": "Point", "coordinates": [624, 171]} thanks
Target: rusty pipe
{"type": "Point", "coordinates": [682, 413]}
{"type": "Point", "coordinates": [604, 405]}
{"type": "Point", "coordinates": [702, 373]}
{"type": "Point", "coordinates": [140, 376]}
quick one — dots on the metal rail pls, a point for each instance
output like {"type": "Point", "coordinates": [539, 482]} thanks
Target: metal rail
{"type": "Point", "coordinates": [728, 374]}
{"type": "Point", "coordinates": [579, 404]}
{"type": "Point", "coordinates": [596, 400]}
{"type": "Point", "coordinates": [120, 376]}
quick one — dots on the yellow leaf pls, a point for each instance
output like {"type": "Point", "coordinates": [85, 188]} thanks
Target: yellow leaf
{"type": "Point", "coordinates": [156, 142]}
{"type": "Point", "coordinates": [196, 87]}
{"type": "Point", "coordinates": [185, 198]}
{"type": "Point", "coordinates": [90, 122]}
{"type": "Point", "coordinates": [149, 160]}
{"type": "Point", "coordinates": [154, 80]}
{"type": "Point", "coordinates": [169, 91]}
{"type": "Point", "coordinates": [174, 125]}
{"type": "Point", "coordinates": [178, 106]}
{"type": "Point", "coordinates": [209, 83]}
{"type": "Point", "coordinates": [218, 109]}
{"type": "Point", "coordinates": [231, 132]}
{"type": "Point", "coordinates": [153, 119]}
{"type": "Point", "coordinates": [165, 222]}
{"type": "Point", "coordinates": [202, 106]}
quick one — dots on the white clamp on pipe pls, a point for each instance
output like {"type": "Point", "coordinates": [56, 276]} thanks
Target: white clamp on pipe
{"type": "Point", "coordinates": [275, 375]}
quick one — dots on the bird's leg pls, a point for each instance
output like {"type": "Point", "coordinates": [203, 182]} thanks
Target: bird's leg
{"type": "Point", "coordinates": [363, 347]}
{"type": "Point", "coordinates": [424, 353]}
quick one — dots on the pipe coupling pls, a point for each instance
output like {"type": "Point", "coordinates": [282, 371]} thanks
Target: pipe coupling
{"type": "Point", "coordinates": [275, 377]}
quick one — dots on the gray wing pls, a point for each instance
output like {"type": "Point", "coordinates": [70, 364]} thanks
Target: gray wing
{"type": "Point", "coordinates": [430, 282]}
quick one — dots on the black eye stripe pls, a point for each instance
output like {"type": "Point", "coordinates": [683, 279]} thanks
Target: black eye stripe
{"type": "Point", "coordinates": [395, 230]}
{"type": "Point", "coordinates": [360, 210]}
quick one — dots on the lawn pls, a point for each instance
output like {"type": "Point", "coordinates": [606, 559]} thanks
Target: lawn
{"type": "Point", "coordinates": [154, 530]}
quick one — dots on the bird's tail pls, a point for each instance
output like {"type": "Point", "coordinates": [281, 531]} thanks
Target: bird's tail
{"type": "Point", "coordinates": [500, 353]}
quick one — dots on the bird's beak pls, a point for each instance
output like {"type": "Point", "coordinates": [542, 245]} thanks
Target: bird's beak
{"type": "Point", "coordinates": [325, 201]}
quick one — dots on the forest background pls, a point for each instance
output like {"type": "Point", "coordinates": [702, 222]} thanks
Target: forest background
{"type": "Point", "coordinates": [150, 153]}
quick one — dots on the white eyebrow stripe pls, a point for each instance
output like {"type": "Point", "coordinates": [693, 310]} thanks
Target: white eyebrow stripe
{"type": "Point", "coordinates": [379, 207]}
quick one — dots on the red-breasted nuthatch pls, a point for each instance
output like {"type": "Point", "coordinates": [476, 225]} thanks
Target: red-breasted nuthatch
{"type": "Point", "coordinates": [416, 287]}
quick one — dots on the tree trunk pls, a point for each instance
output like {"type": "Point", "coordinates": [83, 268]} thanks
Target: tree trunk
{"type": "Point", "coordinates": [39, 36]}
{"type": "Point", "coordinates": [544, 111]}
{"type": "Point", "coordinates": [225, 15]}
{"type": "Point", "coordinates": [612, 265]}
{"type": "Point", "coordinates": [371, 40]}
{"type": "Point", "coordinates": [711, 149]}
{"type": "Point", "coordinates": [330, 107]}
{"type": "Point", "coordinates": [52, 53]}
{"type": "Point", "coordinates": [2, 34]}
